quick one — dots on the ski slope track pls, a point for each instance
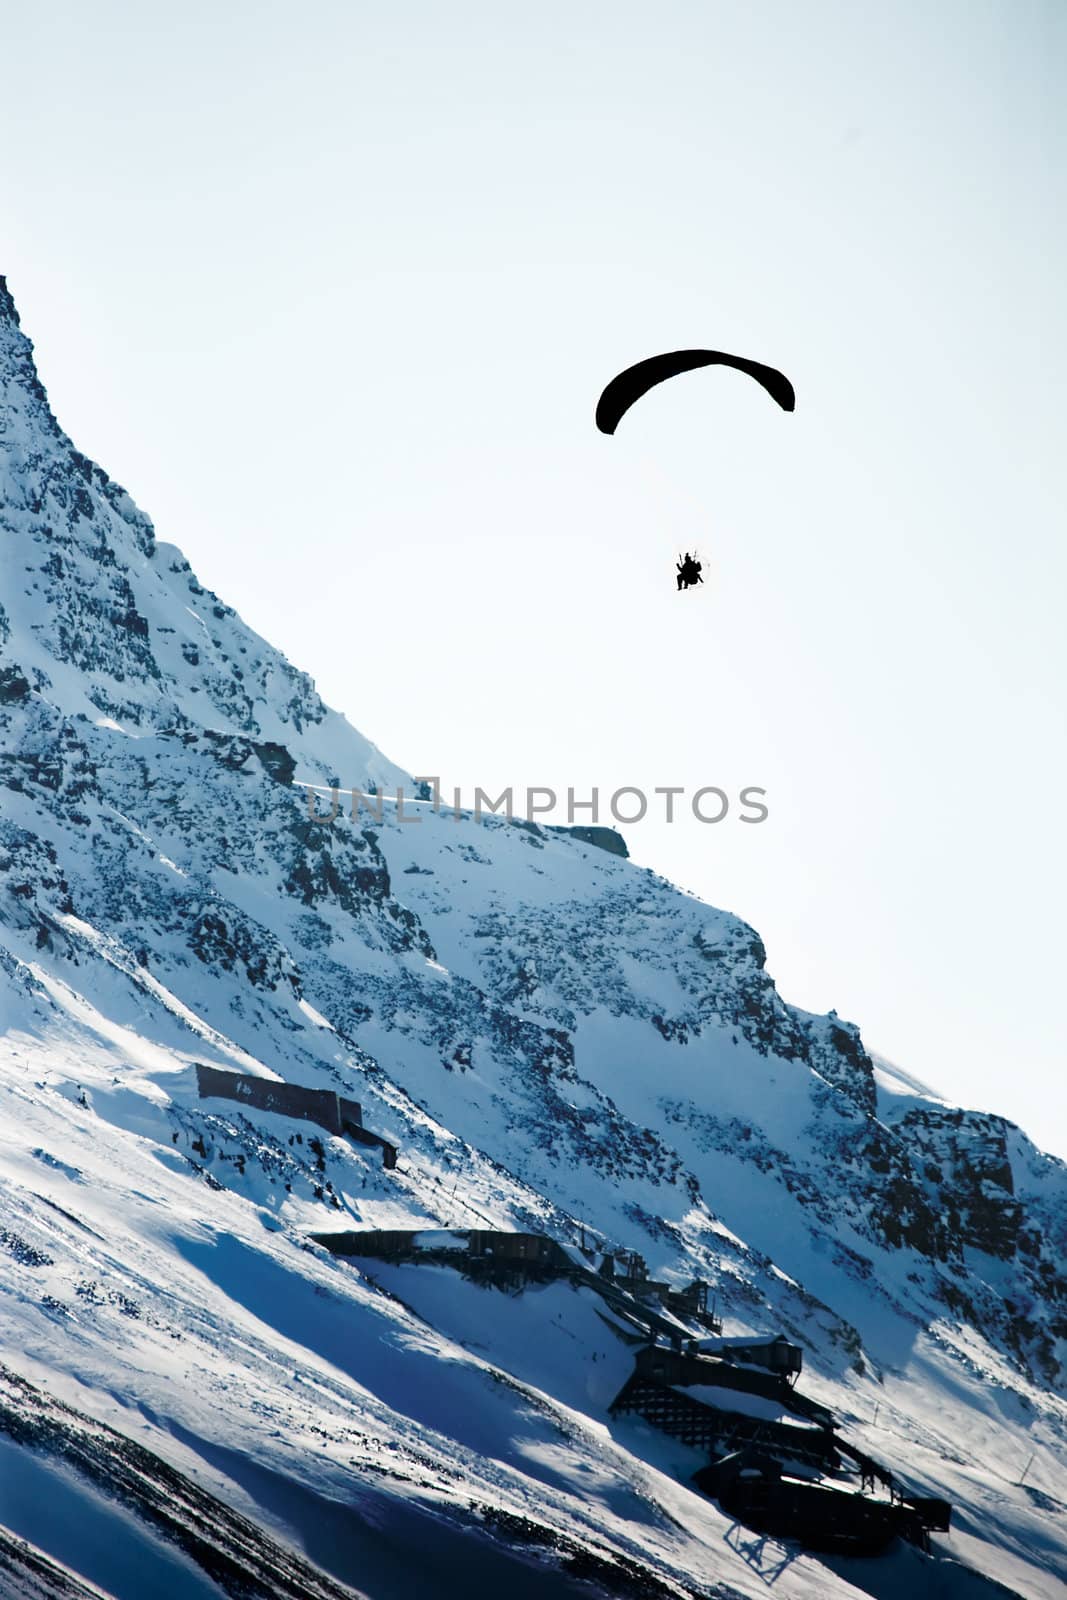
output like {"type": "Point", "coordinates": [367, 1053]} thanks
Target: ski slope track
{"type": "Point", "coordinates": [197, 1400]}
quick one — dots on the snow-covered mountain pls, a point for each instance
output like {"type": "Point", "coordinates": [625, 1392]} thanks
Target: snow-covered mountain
{"type": "Point", "coordinates": [196, 1398]}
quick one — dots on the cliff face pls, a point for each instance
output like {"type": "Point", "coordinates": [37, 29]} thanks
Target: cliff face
{"type": "Point", "coordinates": [554, 1038]}
{"type": "Point", "coordinates": [109, 624]}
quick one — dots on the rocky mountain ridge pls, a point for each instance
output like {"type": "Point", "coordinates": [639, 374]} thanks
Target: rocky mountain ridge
{"type": "Point", "coordinates": [554, 1039]}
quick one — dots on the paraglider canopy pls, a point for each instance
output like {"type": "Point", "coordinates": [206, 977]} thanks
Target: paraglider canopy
{"type": "Point", "coordinates": [629, 386]}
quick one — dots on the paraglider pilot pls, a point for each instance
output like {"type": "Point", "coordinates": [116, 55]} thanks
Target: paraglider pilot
{"type": "Point", "coordinates": [688, 572]}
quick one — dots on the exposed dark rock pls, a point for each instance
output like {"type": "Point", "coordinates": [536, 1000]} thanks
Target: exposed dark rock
{"type": "Point", "coordinates": [608, 839]}
{"type": "Point", "coordinates": [13, 686]}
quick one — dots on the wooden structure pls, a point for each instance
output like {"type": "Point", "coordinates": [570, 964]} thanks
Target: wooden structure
{"type": "Point", "coordinates": [757, 1467]}
{"type": "Point", "coordinates": [511, 1259]}
{"type": "Point", "coordinates": [629, 1271]}
{"type": "Point", "coordinates": [475, 1247]}
{"type": "Point", "coordinates": [721, 1431]}
{"type": "Point", "coordinates": [687, 1369]}
{"type": "Point", "coordinates": [752, 1486]}
{"type": "Point", "coordinates": [777, 1355]}
{"type": "Point", "coordinates": [325, 1108]}
{"type": "Point", "coordinates": [520, 1249]}
{"type": "Point", "coordinates": [386, 1244]}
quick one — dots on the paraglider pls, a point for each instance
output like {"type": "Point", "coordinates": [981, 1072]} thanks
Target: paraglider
{"type": "Point", "coordinates": [636, 381]}
{"type": "Point", "coordinates": [630, 386]}
{"type": "Point", "coordinates": [689, 572]}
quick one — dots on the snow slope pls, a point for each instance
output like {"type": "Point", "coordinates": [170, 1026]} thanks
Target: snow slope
{"type": "Point", "coordinates": [555, 1040]}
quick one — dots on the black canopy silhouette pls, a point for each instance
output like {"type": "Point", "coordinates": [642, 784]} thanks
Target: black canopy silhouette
{"type": "Point", "coordinates": [636, 381]}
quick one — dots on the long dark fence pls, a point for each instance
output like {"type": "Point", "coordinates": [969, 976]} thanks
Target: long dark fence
{"type": "Point", "coordinates": [323, 1107]}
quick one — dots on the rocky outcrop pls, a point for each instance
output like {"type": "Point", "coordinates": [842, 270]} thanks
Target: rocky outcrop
{"type": "Point", "coordinates": [608, 839]}
{"type": "Point", "coordinates": [961, 1157]}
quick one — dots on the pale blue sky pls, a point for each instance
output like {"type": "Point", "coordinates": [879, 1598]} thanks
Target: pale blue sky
{"type": "Point", "coordinates": [333, 290]}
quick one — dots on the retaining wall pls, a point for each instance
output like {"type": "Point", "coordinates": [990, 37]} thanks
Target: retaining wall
{"type": "Point", "coordinates": [322, 1106]}
{"type": "Point", "coordinates": [267, 1094]}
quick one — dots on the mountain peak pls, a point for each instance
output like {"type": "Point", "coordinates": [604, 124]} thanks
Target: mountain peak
{"type": "Point", "coordinates": [8, 309]}
{"type": "Point", "coordinates": [22, 394]}
{"type": "Point", "coordinates": [105, 623]}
